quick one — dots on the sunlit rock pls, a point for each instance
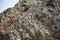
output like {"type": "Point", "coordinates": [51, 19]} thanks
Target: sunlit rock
{"type": "Point", "coordinates": [40, 22]}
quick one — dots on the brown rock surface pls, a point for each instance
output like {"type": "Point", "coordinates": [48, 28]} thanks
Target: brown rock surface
{"type": "Point", "coordinates": [30, 20]}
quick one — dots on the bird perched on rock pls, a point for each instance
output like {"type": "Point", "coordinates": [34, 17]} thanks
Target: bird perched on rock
{"type": "Point", "coordinates": [26, 4]}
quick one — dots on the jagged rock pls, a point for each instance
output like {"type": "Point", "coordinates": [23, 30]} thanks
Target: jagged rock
{"type": "Point", "coordinates": [35, 23]}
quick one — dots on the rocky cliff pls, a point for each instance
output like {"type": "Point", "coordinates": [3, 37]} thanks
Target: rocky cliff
{"type": "Point", "coordinates": [31, 20]}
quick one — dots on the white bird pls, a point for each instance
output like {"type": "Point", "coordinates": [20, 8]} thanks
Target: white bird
{"type": "Point", "coordinates": [4, 4]}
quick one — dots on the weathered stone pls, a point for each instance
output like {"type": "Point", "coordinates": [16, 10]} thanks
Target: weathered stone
{"type": "Point", "coordinates": [31, 23]}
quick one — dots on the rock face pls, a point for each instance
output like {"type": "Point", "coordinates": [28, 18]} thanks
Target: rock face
{"type": "Point", "coordinates": [30, 20]}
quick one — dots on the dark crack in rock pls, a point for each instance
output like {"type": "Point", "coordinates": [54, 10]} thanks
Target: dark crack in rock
{"type": "Point", "coordinates": [4, 36]}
